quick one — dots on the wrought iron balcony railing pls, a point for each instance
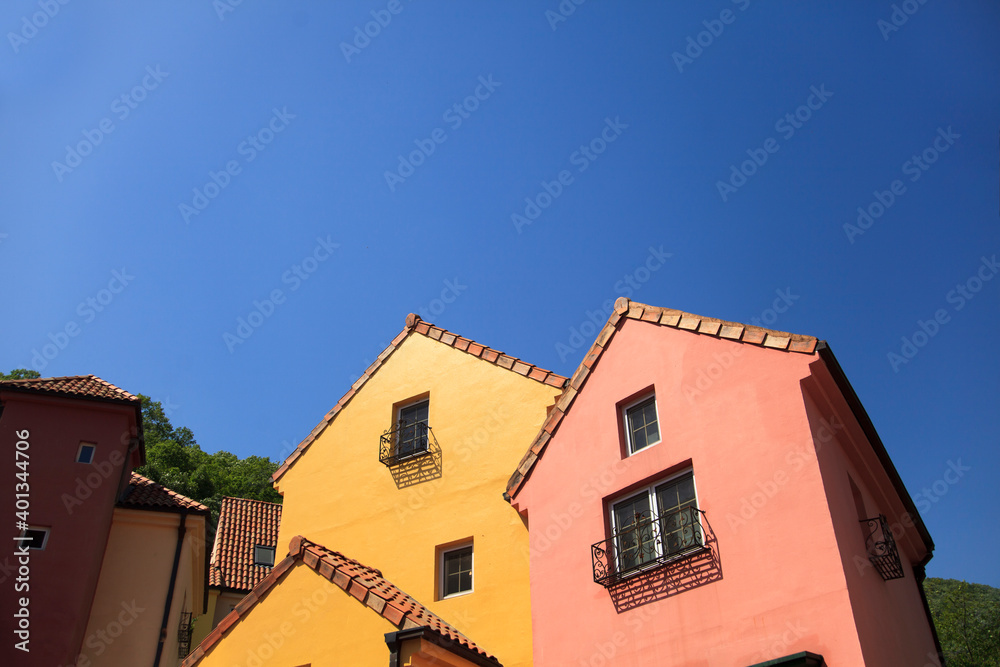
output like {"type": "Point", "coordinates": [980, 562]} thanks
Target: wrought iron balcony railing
{"type": "Point", "coordinates": [404, 441]}
{"type": "Point", "coordinates": [881, 547]}
{"type": "Point", "coordinates": [184, 635]}
{"type": "Point", "coordinates": [647, 543]}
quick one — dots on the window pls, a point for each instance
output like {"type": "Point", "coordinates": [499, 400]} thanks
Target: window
{"type": "Point", "coordinates": [38, 538]}
{"type": "Point", "coordinates": [86, 453]}
{"type": "Point", "coordinates": [657, 523]}
{"type": "Point", "coordinates": [642, 428]}
{"type": "Point", "coordinates": [263, 555]}
{"type": "Point", "coordinates": [412, 437]}
{"type": "Point", "coordinates": [456, 571]}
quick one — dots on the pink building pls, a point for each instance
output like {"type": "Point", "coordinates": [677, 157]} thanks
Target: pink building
{"type": "Point", "coordinates": [709, 493]}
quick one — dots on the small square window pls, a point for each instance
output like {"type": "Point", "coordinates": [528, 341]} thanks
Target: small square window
{"type": "Point", "coordinates": [263, 555]}
{"type": "Point", "coordinates": [642, 428]}
{"type": "Point", "coordinates": [37, 538]}
{"type": "Point", "coordinates": [86, 453]}
{"type": "Point", "coordinates": [456, 571]}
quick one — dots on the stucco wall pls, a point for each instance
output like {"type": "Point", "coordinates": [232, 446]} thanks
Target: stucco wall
{"type": "Point", "coordinates": [736, 413]}
{"type": "Point", "coordinates": [76, 501]}
{"type": "Point", "coordinates": [483, 418]}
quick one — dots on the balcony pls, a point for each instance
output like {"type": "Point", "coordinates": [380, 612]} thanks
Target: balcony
{"type": "Point", "coordinates": [651, 544]}
{"type": "Point", "coordinates": [404, 441]}
{"type": "Point", "coordinates": [881, 548]}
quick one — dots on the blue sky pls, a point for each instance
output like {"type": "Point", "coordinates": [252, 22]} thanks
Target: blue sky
{"type": "Point", "coordinates": [167, 165]}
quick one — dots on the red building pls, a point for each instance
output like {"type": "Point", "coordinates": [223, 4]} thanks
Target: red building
{"type": "Point", "coordinates": [709, 493]}
{"type": "Point", "coordinates": [97, 549]}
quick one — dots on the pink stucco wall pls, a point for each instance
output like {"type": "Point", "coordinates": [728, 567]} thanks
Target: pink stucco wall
{"type": "Point", "coordinates": [737, 415]}
{"type": "Point", "coordinates": [63, 577]}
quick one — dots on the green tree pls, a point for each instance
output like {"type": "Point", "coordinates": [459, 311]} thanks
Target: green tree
{"type": "Point", "coordinates": [967, 618]}
{"type": "Point", "coordinates": [20, 374]}
{"type": "Point", "coordinates": [175, 459]}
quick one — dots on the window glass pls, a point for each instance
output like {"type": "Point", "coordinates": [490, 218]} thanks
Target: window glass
{"type": "Point", "coordinates": [412, 429]}
{"type": "Point", "coordinates": [263, 555]}
{"type": "Point", "coordinates": [643, 428]}
{"type": "Point", "coordinates": [86, 454]}
{"type": "Point", "coordinates": [679, 524]}
{"type": "Point", "coordinates": [457, 571]}
{"type": "Point", "coordinates": [636, 543]}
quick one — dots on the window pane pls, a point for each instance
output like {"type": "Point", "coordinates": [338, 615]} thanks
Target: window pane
{"type": "Point", "coordinates": [412, 436]}
{"type": "Point", "coordinates": [458, 571]}
{"type": "Point", "coordinates": [37, 538]}
{"type": "Point", "coordinates": [679, 519]}
{"type": "Point", "coordinates": [635, 541]}
{"type": "Point", "coordinates": [86, 454]}
{"type": "Point", "coordinates": [643, 429]}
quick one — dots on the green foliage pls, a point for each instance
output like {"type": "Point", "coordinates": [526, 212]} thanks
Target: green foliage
{"type": "Point", "coordinates": [967, 618]}
{"type": "Point", "coordinates": [20, 374]}
{"type": "Point", "coordinates": [174, 459]}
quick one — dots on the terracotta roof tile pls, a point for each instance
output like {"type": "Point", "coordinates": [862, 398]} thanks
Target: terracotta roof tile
{"type": "Point", "coordinates": [365, 584]}
{"type": "Point", "coordinates": [626, 309]}
{"type": "Point", "coordinates": [415, 325]}
{"type": "Point", "coordinates": [145, 494]}
{"type": "Point", "coordinates": [82, 386]}
{"type": "Point", "coordinates": [243, 524]}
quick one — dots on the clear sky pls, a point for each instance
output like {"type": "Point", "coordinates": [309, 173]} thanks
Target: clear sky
{"type": "Point", "coordinates": [506, 169]}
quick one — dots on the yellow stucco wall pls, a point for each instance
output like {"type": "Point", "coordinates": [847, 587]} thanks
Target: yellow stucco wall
{"type": "Point", "coordinates": [127, 611]}
{"type": "Point", "coordinates": [305, 619]}
{"type": "Point", "coordinates": [483, 418]}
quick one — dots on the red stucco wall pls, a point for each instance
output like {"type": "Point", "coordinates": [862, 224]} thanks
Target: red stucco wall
{"type": "Point", "coordinates": [63, 576]}
{"type": "Point", "coordinates": [745, 430]}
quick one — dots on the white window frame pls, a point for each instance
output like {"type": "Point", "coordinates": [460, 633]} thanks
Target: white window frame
{"type": "Point", "coordinates": [442, 574]}
{"type": "Point", "coordinates": [628, 429]}
{"type": "Point", "coordinates": [650, 491]}
{"type": "Point", "coordinates": [45, 540]}
{"type": "Point", "coordinates": [79, 451]}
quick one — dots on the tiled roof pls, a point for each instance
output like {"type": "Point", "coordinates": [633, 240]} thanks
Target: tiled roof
{"type": "Point", "coordinates": [415, 325]}
{"type": "Point", "coordinates": [676, 319]}
{"type": "Point", "coordinates": [360, 581]}
{"type": "Point", "coordinates": [84, 386]}
{"type": "Point", "coordinates": [145, 494]}
{"type": "Point", "coordinates": [243, 523]}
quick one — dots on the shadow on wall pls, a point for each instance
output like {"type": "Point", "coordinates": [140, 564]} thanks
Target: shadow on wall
{"type": "Point", "coordinates": [691, 571]}
{"type": "Point", "coordinates": [419, 469]}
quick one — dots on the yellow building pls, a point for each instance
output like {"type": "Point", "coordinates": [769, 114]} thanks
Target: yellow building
{"type": "Point", "coordinates": [152, 581]}
{"type": "Point", "coordinates": [318, 608]}
{"type": "Point", "coordinates": [406, 473]}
